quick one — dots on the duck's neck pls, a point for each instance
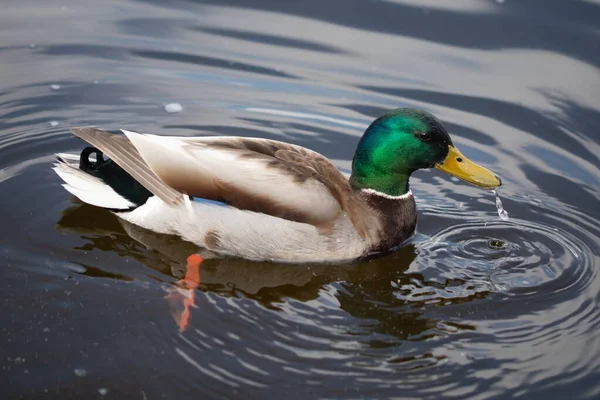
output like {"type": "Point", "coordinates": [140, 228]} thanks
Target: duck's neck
{"type": "Point", "coordinates": [397, 218]}
{"type": "Point", "coordinates": [393, 185]}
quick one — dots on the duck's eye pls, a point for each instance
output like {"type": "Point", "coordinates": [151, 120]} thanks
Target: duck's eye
{"type": "Point", "coordinates": [424, 136]}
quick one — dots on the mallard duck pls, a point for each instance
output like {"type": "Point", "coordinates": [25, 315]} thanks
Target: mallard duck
{"type": "Point", "coordinates": [263, 199]}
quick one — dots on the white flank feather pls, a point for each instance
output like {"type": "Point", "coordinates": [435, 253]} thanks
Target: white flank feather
{"type": "Point", "coordinates": [88, 188]}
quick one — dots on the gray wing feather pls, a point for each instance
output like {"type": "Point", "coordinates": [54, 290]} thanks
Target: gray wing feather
{"type": "Point", "coordinates": [121, 151]}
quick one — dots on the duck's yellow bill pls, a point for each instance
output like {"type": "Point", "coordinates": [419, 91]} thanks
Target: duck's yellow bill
{"type": "Point", "coordinates": [461, 167]}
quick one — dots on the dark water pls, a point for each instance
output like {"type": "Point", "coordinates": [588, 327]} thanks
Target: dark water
{"type": "Point", "coordinates": [474, 307]}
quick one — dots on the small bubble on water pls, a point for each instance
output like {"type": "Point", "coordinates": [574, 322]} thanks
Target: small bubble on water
{"type": "Point", "coordinates": [173, 108]}
{"type": "Point", "coordinates": [80, 372]}
{"type": "Point", "coordinates": [53, 123]}
{"type": "Point", "coordinates": [501, 211]}
{"type": "Point", "coordinates": [103, 391]}
{"type": "Point", "coordinates": [54, 86]}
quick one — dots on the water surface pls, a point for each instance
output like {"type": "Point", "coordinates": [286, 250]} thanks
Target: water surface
{"type": "Point", "coordinates": [473, 307]}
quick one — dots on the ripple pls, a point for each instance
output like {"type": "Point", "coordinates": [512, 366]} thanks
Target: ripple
{"type": "Point", "coordinates": [518, 256]}
{"type": "Point", "coordinates": [535, 283]}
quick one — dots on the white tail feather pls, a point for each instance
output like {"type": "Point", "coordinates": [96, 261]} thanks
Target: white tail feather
{"type": "Point", "coordinates": [88, 188]}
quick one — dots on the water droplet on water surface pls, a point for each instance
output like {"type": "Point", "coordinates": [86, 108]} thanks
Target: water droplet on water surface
{"type": "Point", "coordinates": [501, 211]}
{"type": "Point", "coordinates": [496, 244]}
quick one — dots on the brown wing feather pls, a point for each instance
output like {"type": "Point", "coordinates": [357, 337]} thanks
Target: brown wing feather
{"type": "Point", "coordinates": [320, 168]}
{"type": "Point", "coordinates": [122, 152]}
{"type": "Point", "coordinates": [301, 164]}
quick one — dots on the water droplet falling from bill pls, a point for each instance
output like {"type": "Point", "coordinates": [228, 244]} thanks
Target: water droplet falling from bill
{"type": "Point", "coordinates": [501, 211]}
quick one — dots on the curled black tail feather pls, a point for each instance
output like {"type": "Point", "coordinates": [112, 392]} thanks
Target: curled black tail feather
{"type": "Point", "coordinates": [124, 156]}
{"type": "Point", "coordinates": [114, 176]}
{"type": "Point", "coordinates": [86, 165]}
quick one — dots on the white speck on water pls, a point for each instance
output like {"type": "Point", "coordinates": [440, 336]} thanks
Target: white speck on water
{"type": "Point", "coordinates": [53, 123]}
{"type": "Point", "coordinates": [501, 211]}
{"type": "Point", "coordinates": [54, 86]}
{"type": "Point", "coordinates": [173, 108]}
{"type": "Point", "coordinates": [80, 372]}
{"type": "Point", "coordinates": [103, 391]}
{"type": "Point", "coordinates": [33, 45]}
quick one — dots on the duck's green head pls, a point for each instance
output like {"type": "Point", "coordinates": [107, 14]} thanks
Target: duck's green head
{"type": "Point", "coordinates": [404, 140]}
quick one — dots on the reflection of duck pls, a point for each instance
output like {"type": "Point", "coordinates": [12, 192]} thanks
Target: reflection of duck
{"type": "Point", "coordinates": [266, 282]}
{"type": "Point", "coordinates": [267, 200]}
{"type": "Point", "coordinates": [168, 255]}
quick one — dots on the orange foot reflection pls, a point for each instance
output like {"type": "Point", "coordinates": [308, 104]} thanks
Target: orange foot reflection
{"type": "Point", "coordinates": [183, 292]}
